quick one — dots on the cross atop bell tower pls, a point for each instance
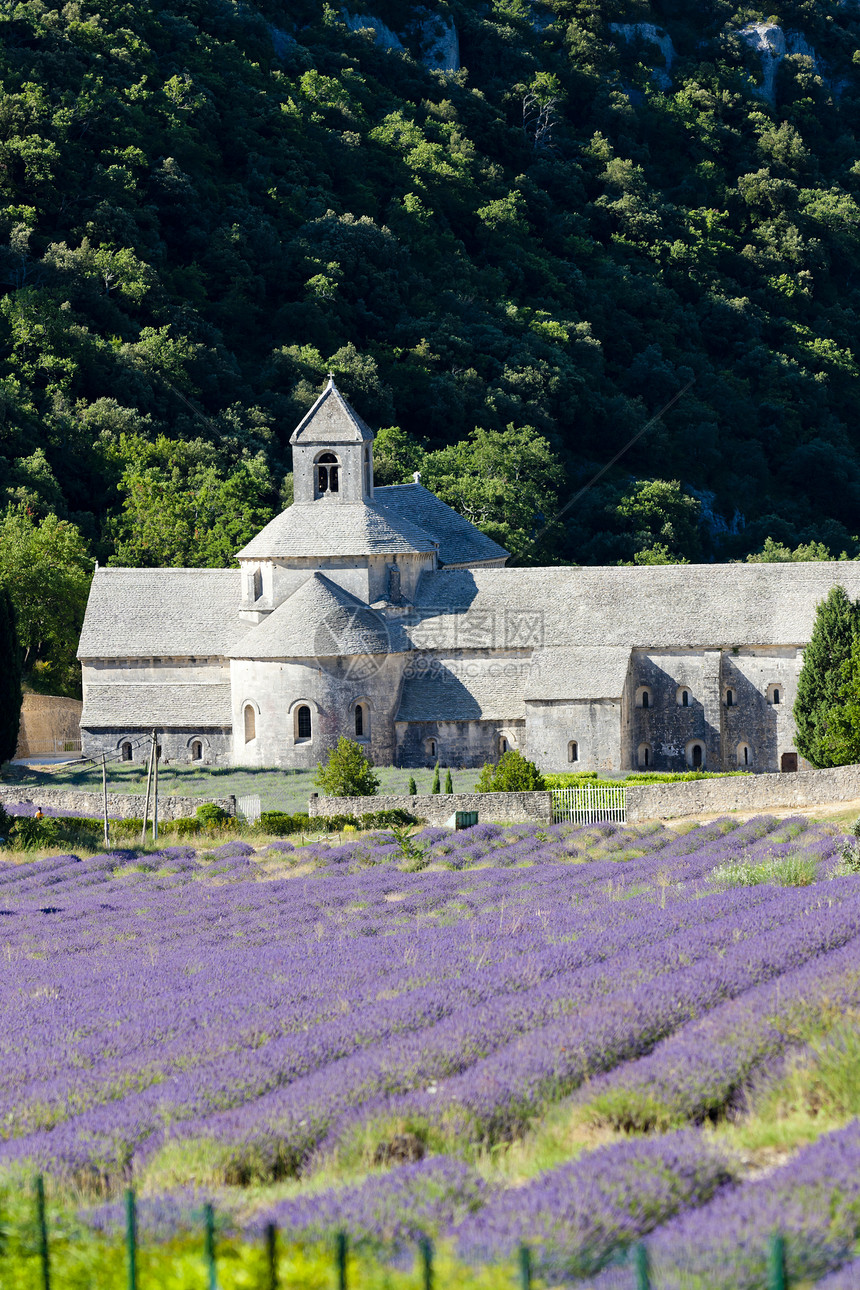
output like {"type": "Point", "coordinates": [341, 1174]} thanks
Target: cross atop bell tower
{"type": "Point", "coordinates": [332, 452]}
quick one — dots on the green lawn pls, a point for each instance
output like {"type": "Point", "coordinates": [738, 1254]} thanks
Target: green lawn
{"type": "Point", "coordinates": [278, 790]}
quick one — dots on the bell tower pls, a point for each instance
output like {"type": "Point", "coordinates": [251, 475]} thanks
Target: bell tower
{"type": "Point", "coordinates": [332, 453]}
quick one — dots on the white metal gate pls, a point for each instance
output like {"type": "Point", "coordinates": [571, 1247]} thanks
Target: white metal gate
{"type": "Point", "coordinates": [589, 804]}
{"type": "Point", "coordinates": [249, 808]}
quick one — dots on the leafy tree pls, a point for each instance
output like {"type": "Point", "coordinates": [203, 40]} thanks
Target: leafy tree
{"type": "Point", "coordinates": [396, 456]}
{"type": "Point", "coordinates": [10, 681]}
{"type": "Point", "coordinates": [664, 521]}
{"type": "Point", "coordinates": [505, 482]}
{"type": "Point", "coordinates": [513, 773]}
{"type": "Point", "coordinates": [181, 508]}
{"type": "Point", "coordinates": [436, 786]}
{"type": "Point", "coordinates": [449, 783]}
{"type": "Point", "coordinates": [46, 569]}
{"type": "Point", "coordinates": [778, 553]}
{"type": "Point", "coordinates": [842, 737]}
{"type": "Point", "coordinates": [348, 772]}
{"type": "Point", "coordinates": [822, 676]}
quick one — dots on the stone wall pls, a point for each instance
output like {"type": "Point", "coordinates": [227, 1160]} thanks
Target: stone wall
{"type": "Point", "coordinates": [124, 806]}
{"type": "Point", "coordinates": [45, 719]}
{"type": "Point", "coordinates": [437, 808]}
{"type": "Point", "coordinates": [743, 793]}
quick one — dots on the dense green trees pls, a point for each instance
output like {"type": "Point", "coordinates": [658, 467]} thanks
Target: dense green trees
{"type": "Point", "coordinates": [512, 268]}
{"type": "Point", "coordinates": [347, 771]}
{"type": "Point", "coordinates": [10, 679]}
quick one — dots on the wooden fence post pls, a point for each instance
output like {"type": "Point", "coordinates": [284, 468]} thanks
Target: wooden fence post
{"type": "Point", "coordinates": [211, 1267]}
{"type": "Point", "coordinates": [42, 1225]}
{"type": "Point", "coordinates": [426, 1262]}
{"type": "Point", "coordinates": [643, 1269]}
{"type": "Point", "coordinates": [777, 1279]}
{"type": "Point", "coordinates": [272, 1254]}
{"type": "Point", "coordinates": [131, 1238]}
{"type": "Point", "coordinates": [525, 1268]}
{"type": "Point", "coordinates": [340, 1258]}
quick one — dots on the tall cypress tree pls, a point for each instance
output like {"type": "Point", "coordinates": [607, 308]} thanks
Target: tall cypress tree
{"type": "Point", "coordinates": [10, 678]}
{"type": "Point", "coordinates": [819, 686]}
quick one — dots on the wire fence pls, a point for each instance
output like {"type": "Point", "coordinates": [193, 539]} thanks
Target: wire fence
{"type": "Point", "coordinates": [141, 1273]}
{"type": "Point", "coordinates": [590, 804]}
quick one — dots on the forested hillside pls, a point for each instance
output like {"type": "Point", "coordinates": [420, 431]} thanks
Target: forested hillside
{"type": "Point", "coordinates": [206, 206]}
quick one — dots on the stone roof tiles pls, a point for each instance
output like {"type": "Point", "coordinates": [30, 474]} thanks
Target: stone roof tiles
{"type": "Point", "coordinates": [147, 703]}
{"type": "Point", "coordinates": [656, 606]}
{"type": "Point", "coordinates": [459, 541]}
{"type": "Point", "coordinates": [320, 620]}
{"type": "Point", "coordinates": [145, 613]}
{"type": "Point", "coordinates": [330, 527]}
{"type": "Point", "coordinates": [464, 689]}
{"type": "Point", "coordinates": [580, 672]}
{"type": "Point", "coordinates": [331, 420]}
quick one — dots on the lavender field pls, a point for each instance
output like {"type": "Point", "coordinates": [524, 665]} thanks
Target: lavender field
{"type": "Point", "coordinates": [573, 1038]}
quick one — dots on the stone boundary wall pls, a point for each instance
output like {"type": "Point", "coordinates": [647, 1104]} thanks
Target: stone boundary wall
{"type": "Point", "coordinates": [123, 806]}
{"type": "Point", "coordinates": [436, 808]}
{"type": "Point", "coordinates": [649, 802]}
{"type": "Point", "coordinates": [743, 793]}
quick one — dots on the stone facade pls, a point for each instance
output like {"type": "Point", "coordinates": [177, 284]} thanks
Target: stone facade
{"type": "Point", "coordinates": [383, 615]}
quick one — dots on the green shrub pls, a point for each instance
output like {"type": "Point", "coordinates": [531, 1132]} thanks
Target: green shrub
{"type": "Point", "coordinates": [388, 819]}
{"type": "Point", "coordinates": [211, 813]}
{"type": "Point", "coordinates": [348, 772]}
{"type": "Point", "coordinates": [7, 823]}
{"type": "Point", "coordinates": [513, 773]}
{"type": "Point", "coordinates": [449, 783]}
{"type": "Point", "coordinates": [281, 823]}
{"type": "Point", "coordinates": [126, 828]}
{"type": "Point", "coordinates": [334, 823]}
{"type": "Point", "coordinates": [437, 787]}
{"type": "Point", "coordinates": [185, 827]}
{"type": "Point", "coordinates": [413, 787]}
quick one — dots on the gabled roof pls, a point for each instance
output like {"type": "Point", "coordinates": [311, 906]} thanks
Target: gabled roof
{"type": "Point", "coordinates": [580, 672]}
{"type": "Point", "coordinates": [331, 420]}
{"type": "Point", "coordinates": [146, 613]}
{"type": "Point", "coordinates": [459, 541]}
{"type": "Point", "coordinates": [330, 527]}
{"type": "Point", "coordinates": [124, 707]}
{"type": "Point", "coordinates": [465, 689]}
{"type": "Point", "coordinates": [320, 620]}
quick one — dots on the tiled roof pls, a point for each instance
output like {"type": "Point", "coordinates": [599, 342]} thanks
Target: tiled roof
{"type": "Point", "coordinates": [320, 620]}
{"type": "Point", "coordinates": [464, 689]}
{"type": "Point", "coordinates": [330, 527]}
{"type": "Point", "coordinates": [581, 672]}
{"type": "Point", "coordinates": [459, 541]}
{"type": "Point", "coordinates": [652, 606]}
{"type": "Point", "coordinates": [146, 703]}
{"type": "Point", "coordinates": [331, 420]}
{"type": "Point", "coordinates": [145, 613]}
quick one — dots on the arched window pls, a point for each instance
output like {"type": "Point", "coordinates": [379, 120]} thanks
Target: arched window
{"type": "Point", "coordinates": [685, 699]}
{"type": "Point", "coordinates": [126, 752]}
{"type": "Point", "coordinates": [644, 757]}
{"type": "Point", "coordinates": [643, 697]}
{"type": "Point", "coordinates": [774, 693]}
{"type": "Point", "coordinates": [776, 696]}
{"type": "Point", "coordinates": [646, 699]}
{"type": "Point", "coordinates": [359, 720]}
{"type": "Point", "coordinates": [327, 473]}
{"type": "Point", "coordinates": [730, 698]}
{"type": "Point", "coordinates": [196, 750]}
{"type": "Point", "coordinates": [250, 723]}
{"type": "Point", "coordinates": [744, 757]}
{"type": "Point", "coordinates": [682, 696]}
{"type": "Point", "coordinates": [503, 745]}
{"type": "Point", "coordinates": [573, 751]}
{"type": "Point", "coordinates": [303, 722]}
{"type": "Point", "coordinates": [697, 756]}
{"type": "Point", "coordinates": [431, 747]}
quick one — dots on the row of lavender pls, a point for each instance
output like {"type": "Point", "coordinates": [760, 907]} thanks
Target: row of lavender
{"type": "Point", "coordinates": [161, 1000]}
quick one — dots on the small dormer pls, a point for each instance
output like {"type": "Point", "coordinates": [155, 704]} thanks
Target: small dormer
{"type": "Point", "coordinates": [332, 453]}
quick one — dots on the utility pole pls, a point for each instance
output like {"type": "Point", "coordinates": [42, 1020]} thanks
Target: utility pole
{"type": "Point", "coordinates": [148, 783]}
{"type": "Point", "coordinates": [155, 789]}
{"type": "Point", "coordinates": [104, 798]}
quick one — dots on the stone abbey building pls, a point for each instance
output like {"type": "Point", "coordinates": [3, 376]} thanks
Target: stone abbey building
{"type": "Point", "coordinates": [382, 614]}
